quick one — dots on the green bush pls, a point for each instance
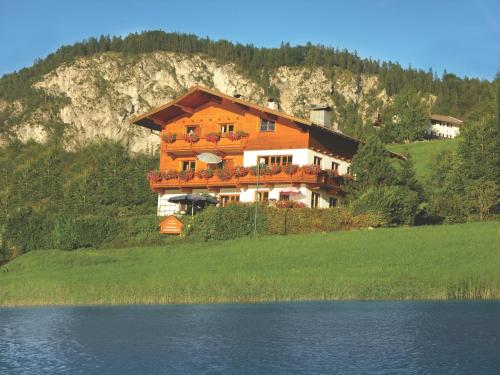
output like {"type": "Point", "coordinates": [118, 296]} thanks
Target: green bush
{"type": "Point", "coordinates": [398, 204]}
{"type": "Point", "coordinates": [225, 223]}
{"type": "Point", "coordinates": [238, 221]}
{"type": "Point", "coordinates": [27, 230]}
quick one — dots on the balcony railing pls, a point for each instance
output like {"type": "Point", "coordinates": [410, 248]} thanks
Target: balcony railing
{"type": "Point", "coordinates": [321, 179]}
{"type": "Point", "coordinates": [223, 144]}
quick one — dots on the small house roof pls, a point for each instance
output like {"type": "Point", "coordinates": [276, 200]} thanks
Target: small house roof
{"type": "Point", "coordinates": [445, 118]}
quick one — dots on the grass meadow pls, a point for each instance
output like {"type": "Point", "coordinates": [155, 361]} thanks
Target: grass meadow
{"type": "Point", "coordinates": [431, 262]}
{"type": "Point", "coordinates": [422, 153]}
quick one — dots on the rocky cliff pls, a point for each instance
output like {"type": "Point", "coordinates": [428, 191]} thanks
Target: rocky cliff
{"type": "Point", "coordinates": [103, 91]}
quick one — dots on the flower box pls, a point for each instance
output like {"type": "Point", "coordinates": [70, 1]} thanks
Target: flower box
{"type": "Point", "coordinates": [154, 176]}
{"type": "Point", "coordinates": [289, 204]}
{"type": "Point", "coordinates": [236, 135]}
{"type": "Point", "coordinates": [191, 137]}
{"type": "Point", "coordinates": [169, 137]}
{"type": "Point", "coordinates": [223, 174]}
{"type": "Point", "coordinates": [170, 174]}
{"type": "Point", "coordinates": [291, 169]}
{"type": "Point", "coordinates": [213, 137]}
{"type": "Point", "coordinates": [205, 173]}
{"type": "Point", "coordinates": [311, 169]}
{"type": "Point", "coordinates": [186, 175]}
{"type": "Point", "coordinates": [240, 171]}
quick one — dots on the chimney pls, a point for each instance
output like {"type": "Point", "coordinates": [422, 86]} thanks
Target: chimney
{"type": "Point", "coordinates": [272, 104]}
{"type": "Point", "coordinates": [321, 115]}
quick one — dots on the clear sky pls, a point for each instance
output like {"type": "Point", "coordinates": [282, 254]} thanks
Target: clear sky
{"type": "Point", "coordinates": [462, 37]}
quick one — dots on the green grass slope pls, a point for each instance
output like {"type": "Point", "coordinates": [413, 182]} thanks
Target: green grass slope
{"type": "Point", "coordinates": [435, 262]}
{"type": "Point", "coordinates": [422, 153]}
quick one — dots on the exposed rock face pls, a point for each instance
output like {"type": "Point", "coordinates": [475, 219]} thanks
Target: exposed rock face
{"type": "Point", "coordinates": [105, 90]}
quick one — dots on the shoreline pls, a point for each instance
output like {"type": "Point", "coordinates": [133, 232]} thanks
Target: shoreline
{"type": "Point", "coordinates": [236, 302]}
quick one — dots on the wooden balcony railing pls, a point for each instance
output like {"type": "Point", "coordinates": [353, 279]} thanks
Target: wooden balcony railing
{"type": "Point", "coordinates": [321, 180]}
{"type": "Point", "coordinates": [224, 145]}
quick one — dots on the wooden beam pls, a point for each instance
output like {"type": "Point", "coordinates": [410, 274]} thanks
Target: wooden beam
{"type": "Point", "coordinates": [185, 108]}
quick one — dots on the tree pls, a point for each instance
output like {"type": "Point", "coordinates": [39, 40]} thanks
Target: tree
{"type": "Point", "coordinates": [406, 119]}
{"type": "Point", "coordinates": [372, 166]}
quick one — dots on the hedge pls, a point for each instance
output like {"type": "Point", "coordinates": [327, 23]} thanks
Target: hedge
{"type": "Point", "coordinates": [238, 220]}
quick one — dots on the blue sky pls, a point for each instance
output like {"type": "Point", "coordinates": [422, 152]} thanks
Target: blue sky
{"type": "Point", "coordinates": [462, 37]}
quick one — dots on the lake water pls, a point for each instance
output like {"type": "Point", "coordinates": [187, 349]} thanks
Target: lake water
{"type": "Point", "coordinates": [312, 337]}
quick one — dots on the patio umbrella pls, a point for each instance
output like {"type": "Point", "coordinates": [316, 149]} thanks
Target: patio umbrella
{"type": "Point", "coordinates": [192, 199]}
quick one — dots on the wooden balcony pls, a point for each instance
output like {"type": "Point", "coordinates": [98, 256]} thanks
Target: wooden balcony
{"type": "Point", "coordinates": [313, 181]}
{"type": "Point", "coordinates": [224, 145]}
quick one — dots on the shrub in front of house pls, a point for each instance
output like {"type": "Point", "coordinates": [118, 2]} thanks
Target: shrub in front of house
{"type": "Point", "coordinates": [398, 204]}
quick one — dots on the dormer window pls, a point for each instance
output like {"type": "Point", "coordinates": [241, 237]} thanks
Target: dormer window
{"type": "Point", "coordinates": [267, 125]}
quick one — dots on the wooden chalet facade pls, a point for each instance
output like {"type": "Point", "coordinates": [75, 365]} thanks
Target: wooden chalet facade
{"type": "Point", "coordinates": [304, 161]}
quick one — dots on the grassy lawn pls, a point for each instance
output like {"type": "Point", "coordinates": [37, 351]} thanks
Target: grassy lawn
{"type": "Point", "coordinates": [435, 262]}
{"type": "Point", "coordinates": [422, 153]}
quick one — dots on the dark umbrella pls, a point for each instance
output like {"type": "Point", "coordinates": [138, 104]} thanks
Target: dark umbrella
{"type": "Point", "coordinates": [192, 199]}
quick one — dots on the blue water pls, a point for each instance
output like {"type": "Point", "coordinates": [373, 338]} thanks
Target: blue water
{"type": "Point", "coordinates": [314, 338]}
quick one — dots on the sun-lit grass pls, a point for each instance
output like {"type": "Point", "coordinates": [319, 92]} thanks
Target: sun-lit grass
{"type": "Point", "coordinates": [435, 262]}
{"type": "Point", "coordinates": [422, 153]}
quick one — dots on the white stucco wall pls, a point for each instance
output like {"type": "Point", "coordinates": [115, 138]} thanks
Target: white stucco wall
{"type": "Point", "coordinates": [444, 131]}
{"type": "Point", "coordinates": [301, 156]}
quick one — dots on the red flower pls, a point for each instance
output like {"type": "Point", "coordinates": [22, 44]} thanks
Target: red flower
{"type": "Point", "coordinates": [240, 171]}
{"type": "Point", "coordinates": [213, 137]}
{"type": "Point", "coordinates": [237, 135]}
{"type": "Point", "coordinates": [169, 174]}
{"type": "Point", "coordinates": [191, 137]}
{"type": "Point", "coordinates": [205, 173]}
{"type": "Point", "coordinates": [311, 169]}
{"type": "Point", "coordinates": [186, 175]}
{"type": "Point", "coordinates": [154, 176]}
{"type": "Point", "coordinates": [289, 204]}
{"type": "Point", "coordinates": [291, 169]}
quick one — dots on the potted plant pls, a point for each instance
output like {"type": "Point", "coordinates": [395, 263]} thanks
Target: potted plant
{"type": "Point", "coordinates": [205, 173]}
{"type": "Point", "coordinates": [236, 135]}
{"type": "Point", "coordinates": [223, 174]}
{"type": "Point", "coordinates": [213, 137]}
{"type": "Point", "coordinates": [191, 137]}
{"type": "Point", "coordinates": [311, 169]}
{"type": "Point", "coordinates": [186, 175]}
{"type": "Point", "coordinates": [291, 169]}
{"type": "Point", "coordinates": [240, 171]}
{"type": "Point", "coordinates": [289, 204]}
{"type": "Point", "coordinates": [169, 137]}
{"type": "Point", "coordinates": [169, 174]}
{"type": "Point", "coordinates": [154, 176]}
{"type": "Point", "coordinates": [271, 169]}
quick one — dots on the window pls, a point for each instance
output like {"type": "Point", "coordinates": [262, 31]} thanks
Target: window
{"type": "Point", "coordinates": [191, 129]}
{"type": "Point", "coordinates": [314, 200]}
{"type": "Point", "coordinates": [335, 166]}
{"type": "Point", "coordinates": [261, 196]}
{"type": "Point", "coordinates": [226, 163]}
{"type": "Point", "coordinates": [188, 165]}
{"type": "Point", "coordinates": [226, 128]}
{"type": "Point", "coordinates": [277, 159]}
{"type": "Point", "coordinates": [333, 202]}
{"type": "Point", "coordinates": [266, 125]}
{"type": "Point", "coordinates": [317, 161]}
{"type": "Point", "coordinates": [349, 170]}
{"type": "Point", "coordinates": [228, 199]}
{"type": "Point", "coordinates": [284, 197]}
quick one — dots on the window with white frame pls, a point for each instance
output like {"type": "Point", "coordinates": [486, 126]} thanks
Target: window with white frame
{"type": "Point", "coordinates": [267, 125]}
